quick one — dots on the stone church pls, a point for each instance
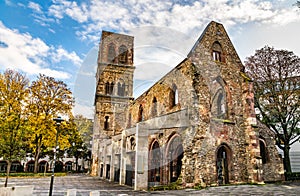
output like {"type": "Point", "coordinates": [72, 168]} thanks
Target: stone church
{"type": "Point", "coordinates": [196, 126]}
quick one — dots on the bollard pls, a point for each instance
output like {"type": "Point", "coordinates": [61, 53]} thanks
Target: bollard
{"type": "Point", "coordinates": [95, 193]}
{"type": "Point", "coordinates": [71, 192]}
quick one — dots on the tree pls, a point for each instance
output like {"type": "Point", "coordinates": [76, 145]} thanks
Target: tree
{"type": "Point", "coordinates": [276, 77]}
{"type": "Point", "coordinates": [13, 94]}
{"type": "Point", "coordinates": [48, 99]}
{"type": "Point", "coordinates": [85, 129]}
{"type": "Point", "coordinates": [78, 147]}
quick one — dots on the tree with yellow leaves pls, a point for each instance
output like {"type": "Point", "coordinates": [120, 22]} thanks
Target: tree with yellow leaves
{"type": "Point", "coordinates": [48, 98]}
{"type": "Point", "coordinates": [13, 98]}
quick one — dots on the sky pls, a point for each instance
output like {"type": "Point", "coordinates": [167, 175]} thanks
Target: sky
{"type": "Point", "coordinates": [60, 38]}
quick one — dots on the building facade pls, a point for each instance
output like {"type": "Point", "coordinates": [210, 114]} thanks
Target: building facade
{"type": "Point", "coordinates": [195, 126]}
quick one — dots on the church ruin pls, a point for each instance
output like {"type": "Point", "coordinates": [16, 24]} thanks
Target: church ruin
{"type": "Point", "coordinates": [196, 125]}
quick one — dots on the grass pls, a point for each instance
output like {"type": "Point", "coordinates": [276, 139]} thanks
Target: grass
{"type": "Point", "coordinates": [28, 174]}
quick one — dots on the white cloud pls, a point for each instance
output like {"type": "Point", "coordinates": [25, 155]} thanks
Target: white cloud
{"type": "Point", "coordinates": [23, 52]}
{"type": "Point", "coordinates": [35, 7]}
{"type": "Point", "coordinates": [124, 15]}
{"type": "Point", "coordinates": [70, 8]}
{"type": "Point", "coordinates": [61, 54]}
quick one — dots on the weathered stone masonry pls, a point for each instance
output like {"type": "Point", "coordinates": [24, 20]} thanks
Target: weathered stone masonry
{"type": "Point", "coordinates": [196, 124]}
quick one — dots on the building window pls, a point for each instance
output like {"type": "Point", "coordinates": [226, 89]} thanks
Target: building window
{"type": "Point", "coordinates": [141, 115]}
{"type": "Point", "coordinates": [154, 107]}
{"type": "Point", "coordinates": [121, 88]}
{"type": "Point", "coordinates": [109, 88]}
{"type": "Point", "coordinates": [173, 96]}
{"type": "Point", "coordinates": [106, 123]}
{"type": "Point", "coordinates": [111, 53]}
{"type": "Point", "coordinates": [217, 52]}
{"type": "Point", "coordinates": [263, 151]}
{"type": "Point", "coordinates": [123, 54]}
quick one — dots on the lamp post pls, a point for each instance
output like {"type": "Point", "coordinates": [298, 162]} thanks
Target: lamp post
{"type": "Point", "coordinates": [58, 121]}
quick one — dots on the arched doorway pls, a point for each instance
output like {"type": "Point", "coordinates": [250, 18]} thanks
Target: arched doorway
{"type": "Point", "coordinates": [154, 164]}
{"type": "Point", "coordinates": [175, 155]}
{"type": "Point", "coordinates": [30, 166]}
{"type": "Point", "coordinates": [222, 164]}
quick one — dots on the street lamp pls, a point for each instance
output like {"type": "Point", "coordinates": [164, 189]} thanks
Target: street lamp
{"type": "Point", "coordinates": [58, 121]}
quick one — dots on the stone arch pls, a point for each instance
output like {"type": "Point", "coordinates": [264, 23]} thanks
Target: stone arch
{"type": "Point", "coordinates": [174, 153]}
{"type": "Point", "coordinates": [223, 163]}
{"type": "Point", "coordinates": [154, 163]}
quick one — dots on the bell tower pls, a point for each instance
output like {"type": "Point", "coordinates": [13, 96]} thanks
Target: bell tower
{"type": "Point", "coordinates": [114, 84]}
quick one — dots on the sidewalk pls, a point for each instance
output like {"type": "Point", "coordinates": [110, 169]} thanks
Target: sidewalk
{"type": "Point", "coordinates": [83, 185]}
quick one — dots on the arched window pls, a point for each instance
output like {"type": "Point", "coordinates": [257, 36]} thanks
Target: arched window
{"type": "Point", "coordinates": [154, 107]}
{"type": "Point", "coordinates": [141, 115]}
{"type": "Point", "coordinates": [111, 88]}
{"type": "Point", "coordinates": [111, 55]}
{"type": "Point", "coordinates": [173, 96]}
{"type": "Point", "coordinates": [154, 163]}
{"type": "Point", "coordinates": [123, 54]}
{"type": "Point", "coordinates": [220, 104]}
{"type": "Point", "coordinates": [107, 87]}
{"type": "Point", "coordinates": [121, 88]}
{"type": "Point", "coordinates": [263, 151]}
{"type": "Point", "coordinates": [217, 52]}
{"type": "Point", "coordinates": [106, 123]}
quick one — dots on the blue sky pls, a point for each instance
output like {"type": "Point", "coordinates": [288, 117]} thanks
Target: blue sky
{"type": "Point", "coordinates": [59, 38]}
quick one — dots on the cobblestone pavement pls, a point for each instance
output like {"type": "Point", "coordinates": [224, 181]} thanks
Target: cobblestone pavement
{"type": "Point", "coordinates": [85, 184]}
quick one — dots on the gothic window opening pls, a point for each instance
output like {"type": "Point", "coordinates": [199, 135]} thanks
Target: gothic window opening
{"type": "Point", "coordinates": [263, 151]}
{"type": "Point", "coordinates": [141, 114]}
{"type": "Point", "coordinates": [175, 155]}
{"type": "Point", "coordinates": [154, 163]}
{"type": "Point", "coordinates": [111, 88]}
{"type": "Point", "coordinates": [121, 88]}
{"type": "Point", "coordinates": [107, 87]}
{"type": "Point", "coordinates": [223, 159]}
{"type": "Point", "coordinates": [123, 53]}
{"type": "Point", "coordinates": [217, 52]}
{"type": "Point", "coordinates": [111, 53]}
{"type": "Point", "coordinates": [154, 107]}
{"type": "Point", "coordinates": [220, 104]}
{"type": "Point", "coordinates": [106, 123]}
{"type": "Point", "coordinates": [173, 96]}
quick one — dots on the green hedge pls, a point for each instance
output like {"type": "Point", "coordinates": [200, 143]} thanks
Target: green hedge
{"type": "Point", "coordinates": [28, 174]}
{"type": "Point", "coordinates": [292, 176]}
